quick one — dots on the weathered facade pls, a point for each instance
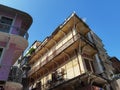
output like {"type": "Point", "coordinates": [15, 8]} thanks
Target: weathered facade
{"type": "Point", "coordinates": [116, 76]}
{"type": "Point", "coordinates": [72, 58]}
{"type": "Point", "coordinates": [116, 64]}
{"type": "Point", "coordinates": [13, 41]}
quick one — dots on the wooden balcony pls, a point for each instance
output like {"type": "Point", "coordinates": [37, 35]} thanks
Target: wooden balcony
{"type": "Point", "coordinates": [71, 24]}
{"type": "Point", "coordinates": [88, 78]}
{"type": "Point", "coordinates": [67, 47]}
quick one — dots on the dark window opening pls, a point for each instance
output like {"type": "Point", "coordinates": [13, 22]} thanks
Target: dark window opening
{"type": "Point", "coordinates": [89, 65]}
{"type": "Point", "coordinates": [5, 24]}
{"type": "Point", "coordinates": [6, 20]}
{"type": "Point", "coordinates": [1, 50]}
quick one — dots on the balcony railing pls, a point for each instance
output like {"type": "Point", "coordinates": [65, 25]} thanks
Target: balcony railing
{"type": "Point", "coordinates": [59, 50]}
{"type": "Point", "coordinates": [13, 30]}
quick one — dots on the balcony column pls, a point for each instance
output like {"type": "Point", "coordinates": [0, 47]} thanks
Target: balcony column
{"type": "Point", "coordinates": [76, 53]}
{"type": "Point", "coordinates": [80, 61]}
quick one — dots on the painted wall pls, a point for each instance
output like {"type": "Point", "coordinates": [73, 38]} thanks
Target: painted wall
{"type": "Point", "coordinates": [17, 24]}
{"type": "Point", "coordinates": [6, 62]}
{"type": "Point", "coordinates": [8, 53]}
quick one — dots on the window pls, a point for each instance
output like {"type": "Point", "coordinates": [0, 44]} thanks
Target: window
{"type": "Point", "coordinates": [5, 24]}
{"type": "Point", "coordinates": [6, 20]}
{"type": "Point", "coordinates": [1, 50]}
{"type": "Point", "coordinates": [89, 65]}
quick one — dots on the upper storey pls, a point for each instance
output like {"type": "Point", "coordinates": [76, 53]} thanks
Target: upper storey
{"type": "Point", "coordinates": [13, 21]}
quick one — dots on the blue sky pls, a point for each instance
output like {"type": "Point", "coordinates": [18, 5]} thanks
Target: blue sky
{"type": "Point", "coordinates": [102, 16]}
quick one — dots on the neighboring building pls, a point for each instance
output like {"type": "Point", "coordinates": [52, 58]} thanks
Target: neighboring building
{"type": "Point", "coordinates": [72, 58]}
{"type": "Point", "coordinates": [103, 65]}
{"type": "Point", "coordinates": [116, 64]}
{"type": "Point", "coordinates": [13, 41]}
{"type": "Point", "coordinates": [23, 64]}
{"type": "Point", "coordinates": [116, 76]}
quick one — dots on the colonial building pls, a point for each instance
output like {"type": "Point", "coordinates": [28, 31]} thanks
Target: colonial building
{"type": "Point", "coordinates": [14, 25]}
{"type": "Point", "coordinates": [71, 58]}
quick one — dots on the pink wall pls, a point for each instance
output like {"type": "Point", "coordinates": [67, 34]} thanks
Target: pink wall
{"type": "Point", "coordinates": [9, 53]}
{"type": "Point", "coordinates": [3, 13]}
{"type": "Point", "coordinates": [2, 44]}
{"type": "Point", "coordinates": [17, 23]}
{"type": "Point", "coordinates": [7, 62]}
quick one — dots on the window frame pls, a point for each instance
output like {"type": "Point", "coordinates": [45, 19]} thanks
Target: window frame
{"type": "Point", "coordinates": [90, 67]}
{"type": "Point", "coordinates": [6, 23]}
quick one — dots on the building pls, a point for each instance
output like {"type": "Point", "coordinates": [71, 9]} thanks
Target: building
{"type": "Point", "coordinates": [14, 25]}
{"type": "Point", "coordinates": [71, 58]}
{"type": "Point", "coordinates": [116, 76]}
{"type": "Point", "coordinates": [22, 64]}
{"type": "Point", "coordinates": [116, 64]}
{"type": "Point", "coordinates": [102, 64]}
